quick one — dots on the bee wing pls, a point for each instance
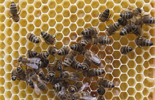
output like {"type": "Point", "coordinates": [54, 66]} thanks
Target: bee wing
{"type": "Point", "coordinates": [32, 65]}
{"type": "Point", "coordinates": [95, 59]}
{"type": "Point", "coordinates": [74, 76]}
{"type": "Point", "coordinates": [88, 98]}
{"type": "Point", "coordinates": [35, 59]}
{"type": "Point", "coordinates": [42, 82]}
{"type": "Point", "coordinates": [36, 89]}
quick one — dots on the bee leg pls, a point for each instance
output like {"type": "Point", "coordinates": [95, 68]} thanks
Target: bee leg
{"type": "Point", "coordinates": [19, 12]}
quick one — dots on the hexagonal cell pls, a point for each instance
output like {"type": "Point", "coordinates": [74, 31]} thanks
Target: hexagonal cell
{"type": "Point", "coordinates": [139, 86]}
{"type": "Point", "coordinates": [80, 4]}
{"type": "Point", "coordinates": [94, 49]}
{"type": "Point", "coordinates": [138, 95]}
{"type": "Point", "coordinates": [116, 73]}
{"type": "Point", "coordinates": [59, 36]}
{"type": "Point", "coordinates": [116, 45]}
{"type": "Point", "coordinates": [117, 9]}
{"type": "Point", "coordinates": [123, 77]}
{"type": "Point", "coordinates": [73, 36]}
{"type": "Point", "coordinates": [94, 13]}
{"type": "Point", "coordinates": [23, 41]}
{"type": "Point", "coordinates": [139, 68]}
{"type": "Point", "coordinates": [147, 7]}
{"type": "Point", "coordinates": [8, 94]}
{"type": "Point", "coordinates": [16, 45]}
{"type": "Point", "coordinates": [116, 54]}
{"type": "Point", "coordinates": [52, 13]}
{"type": "Point", "coordinates": [30, 27]}
{"type": "Point", "coordinates": [131, 72]}
{"type": "Point", "coordinates": [145, 91]}
{"type": "Point", "coordinates": [45, 17]}
{"type": "Point", "coordinates": [95, 4]}
{"type": "Point", "coordinates": [101, 54]}
{"type": "Point", "coordinates": [8, 40]}
{"type": "Point", "coordinates": [8, 50]}
{"type": "Point", "coordinates": [66, 22]}
{"type": "Point", "coordinates": [73, 9]}
{"type": "Point", "coordinates": [51, 4]}
{"type": "Point", "coordinates": [44, 8]}
{"type": "Point", "coordinates": [8, 31]}
{"type": "Point", "coordinates": [2, 54]}
{"type": "Point", "coordinates": [87, 9]}
{"type": "Point", "coordinates": [110, 4]}
{"type": "Point", "coordinates": [95, 22]}
{"type": "Point", "coordinates": [58, 45]}
{"type": "Point", "coordinates": [73, 18]}
{"type": "Point", "coordinates": [124, 68]}
{"type": "Point", "coordinates": [108, 95]}
{"type": "Point", "coordinates": [73, 27]}
{"type": "Point", "coordinates": [8, 59]}
{"type": "Point", "coordinates": [123, 86]}
{"type": "Point", "coordinates": [131, 91]}
{"type": "Point", "coordinates": [152, 3]}
{"type": "Point", "coordinates": [51, 94]}
{"type": "Point", "coordinates": [2, 72]}
{"type": "Point", "coordinates": [45, 27]}
{"type": "Point", "coordinates": [59, 27]}
{"type": "Point", "coordinates": [109, 59]}
{"type": "Point", "coordinates": [2, 26]}
{"type": "Point", "coordinates": [117, 1]}
{"type": "Point", "coordinates": [108, 68]}
{"type": "Point", "coordinates": [37, 4]}
{"type": "Point", "coordinates": [139, 59]}
{"type": "Point", "coordinates": [66, 40]}
{"type": "Point", "coordinates": [131, 82]}
{"type": "Point", "coordinates": [22, 94]}
{"type": "Point", "coordinates": [22, 50]}
{"type": "Point", "coordinates": [94, 85]}
{"type": "Point", "coordinates": [2, 90]}
{"type": "Point", "coordinates": [116, 63]}
{"type": "Point", "coordinates": [131, 64]}
{"type": "Point", "coordinates": [87, 18]}
{"type": "Point", "coordinates": [52, 22]}
{"type": "Point", "coordinates": [66, 13]}
{"type": "Point", "coordinates": [37, 22]}
{"type": "Point", "coordinates": [30, 8]}
{"type": "Point", "coordinates": [123, 95]}
{"type": "Point", "coordinates": [146, 55]}
{"type": "Point", "coordinates": [139, 77]}
{"type": "Point", "coordinates": [66, 31]}
{"type": "Point", "coordinates": [23, 31]}
{"type": "Point", "coordinates": [2, 18]}
{"type": "Point", "coordinates": [15, 90]}
{"type": "Point", "coordinates": [139, 4]}
{"type": "Point", "coordinates": [115, 91]}
{"type": "Point", "coordinates": [108, 77]}
{"type": "Point", "coordinates": [44, 46]}
{"type": "Point", "coordinates": [124, 41]}
{"type": "Point", "coordinates": [124, 4]}
{"type": "Point", "coordinates": [66, 4]}
{"type": "Point", "coordinates": [2, 45]}
{"type": "Point", "coordinates": [80, 22]}
{"type": "Point", "coordinates": [124, 59]}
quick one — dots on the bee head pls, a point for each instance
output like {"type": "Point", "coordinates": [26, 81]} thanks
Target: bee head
{"type": "Point", "coordinates": [133, 27]}
{"type": "Point", "coordinates": [42, 33]}
{"type": "Point", "coordinates": [51, 75]}
{"type": "Point", "coordinates": [47, 78]}
{"type": "Point", "coordinates": [120, 20]}
{"type": "Point", "coordinates": [41, 74]}
{"type": "Point", "coordinates": [107, 10]}
{"type": "Point", "coordinates": [99, 90]}
{"type": "Point", "coordinates": [18, 68]}
{"type": "Point", "coordinates": [139, 10]}
{"type": "Point", "coordinates": [130, 49]}
{"type": "Point", "coordinates": [35, 53]}
{"type": "Point", "coordinates": [20, 59]}
{"type": "Point", "coordinates": [59, 68]}
{"type": "Point", "coordinates": [14, 78]}
{"type": "Point", "coordinates": [72, 90]}
{"type": "Point", "coordinates": [54, 51]}
{"type": "Point", "coordinates": [79, 66]}
{"type": "Point", "coordinates": [61, 74]}
{"type": "Point", "coordinates": [72, 47]}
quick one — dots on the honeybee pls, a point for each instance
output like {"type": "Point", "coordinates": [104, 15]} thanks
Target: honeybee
{"type": "Point", "coordinates": [94, 72]}
{"type": "Point", "coordinates": [51, 71]}
{"type": "Point", "coordinates": [58, 86]}
{"type": "Point", "coordinates": [76, 87]}
{"type": "Point", "coordinates": [94, 41]}
{"type": "Point", "coordinates": [38, 83]}
{"type": "Point", "coordinates": [126, 15]}
{"type": "Point", "coordinates": [41, 74]}
{"type": "Point", "coordinates": [63, 95]}
{"type": "Point", "coordinates": [54, 80]}
{"type": "Point", "coordinates": [31, 37]}
{"type": "Point", "coordinates": [14, 75]}
{"type": "Point", "coordinates": [64, 50]}
{"type": "Point", "coordinates": [148, 20]}
{"type": "Point", "coordinates": [105, 83]}
{"type": "Point", "coordinates": [101, 97]}
{"type": "Point", "coordinates": [137, 30]}
{"type": "Point", "coordinates": [31, 54]}
{"type": "Point", "coordinates": [69, 58]}
{"type": "Point", "coordinates": [112, 28]}
{"type": "Point", "coordinates": [51, 50]}
{"type": "Point", "coordinates": [102, 40]}
{"type": "Point", "coordinates": [82, 96]}
{"type": "Point", "coordinates": [45, 63]}
{"type": "Point", "coordinates": [86, 64]}
{"type": "Point", "coordinates": [43, 55]}
{"type": "Point", "coordinates": [76, 65]}
{"type": "Point", "coordinates": [91, 31]}
{"type": "Point", "coordinates": [28, 80]}
{"type": "Point", "coordinates": [69, 75]}
{"type": "Point", "coordinates": [49, 39]}
{"type": "Point", "coordinates": [14, 11]}
{"type": "Point", "coordinates": [141, 42]}
{"type": "Point", "coordinates": [126, 30]}
{"type": "Point", "coordinates": [32, 62]}
{"type": "Point", "coordinates": [101, 90]}
{"type": "Point", "coordinates": [21, 73]}
{"type": "Point", "coordinates": [85, 40]}
{"type": "Point", "coordinates": [105, 15]}
{"type": "Point", "coordinates": [77, 47]}
{"type": "Point", "coordinates": [125, 49]}
{"type": "Point", "coordinates": [122, 21]}
{"type": "Point", "coordinates": [92, 57]}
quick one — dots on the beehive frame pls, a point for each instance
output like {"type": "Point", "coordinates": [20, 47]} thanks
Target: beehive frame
{"type": "Point", "coordinates": [132, 74]}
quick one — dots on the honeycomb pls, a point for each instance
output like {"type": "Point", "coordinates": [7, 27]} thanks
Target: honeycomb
{"type": "Point", "coordinates": [132, 74]}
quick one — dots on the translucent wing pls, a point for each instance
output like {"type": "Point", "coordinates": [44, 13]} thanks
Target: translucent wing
{"type": "Point", "coordinates": [95, 59]}
{"type": "Point", "coordinates": [32, 65]}
{"type": "Point", "coordinates": [36, 89]}
{"type": "Point", "coordinates": [74, 76]}
{"type": "Point", "coordinates": [88, 98]}
{"type": "Point", "coordinates": [35, 59]}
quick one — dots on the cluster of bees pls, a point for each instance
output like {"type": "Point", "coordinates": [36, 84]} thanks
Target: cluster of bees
{"type": "Point", "coordinates": [33, 74]}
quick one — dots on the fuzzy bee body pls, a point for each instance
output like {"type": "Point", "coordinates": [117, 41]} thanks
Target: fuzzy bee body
{"type": "Point", "coordinates": [31, 54]}
{"type": "Point", "coordinates": [95, 72]}
{"type": "Point", "coordinates": [86, 64]}
{"type": "Point", "coordinates": [51, 50]}
{"type": "Point", "coordinates": [103, 40]}
{"type": "Point", "coordinates": [141, 42]}
{"type": "Point", "coordinates": [112, 28]}
{"type": "Point", "coordinates": [105, 83]}
{"type": "Point", "coordinates": [62, 95]}
{"type": "Point", "coordinates": [43, 55]}
{"type": "Point", "coordinates": [76, 87]}
{"type": "Point", "coordinates": [69, 75]}
{"type": "Point", "coordinates": [122, 21]}
{"type": "Point", "coordinates": [76, 65]}
{"type": "Point", "coordinates": [126, 15]}
{"type": "Point", "coordinates": [54, 80]}
{"type": "Point", "coordinates": [49, 39]}
{"type": "Point", "coordinates": [148, 20]}
{"type": "Point", "coordinates": [69, 58]}
{"type": "Point", "coordinates": [91, 31]}
{"type": "Point", "coordinates": [64, 50]}
{"type": "Point", "coordinates": [14, 12]}
{"type": "Point", "coordinates": [21, 73]}
{"type": "Point", "coordinates": [14, 75]}
{"type": "Point", "coordinates": [85, 40]}
{"type": "Point", "coordinates": [77, 47]}
{"type": "Point", "coordinates": [58, 86]}
{"type": "Point", "coordinates": [126, 30]}
{"type": "Point", "coordinates": [125, 49]}
{"type": "Point", "coordinates": [101, 90]}
{"type": "Point", "coordinates": [31, 37]}
{"type": "Point", "coordinates": [137, 30]}
{"type": "Point", "coordinates": [94, 41]}
{"type": "Point", "coordinates": [104, 16]}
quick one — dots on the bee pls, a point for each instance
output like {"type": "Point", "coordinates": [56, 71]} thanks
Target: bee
{"type": "Point", "coordinates": [137, 30]}
{"type": "Point", "coordinates": [91, 31]}
{"type": "Point", "coordinates": [31, 54]}
{"type": "Point", "coordinates": [54, 80]}
{"type": "Point", "coordinates": [105, 15]}
{"type": "Point", "coordinates": [94, 41]}
{"type": "Point", "coordinates": [77, 47]}
{"type": "Point", "coordinates": [126, 15]}
{"type": "Point", "coordinates": [126, 30]}
{"type": "Point", "coordinates": [51, 50]}
{"type": "Point", "coordinates": [94, 72]}
{"type": "Point", "coordinates": [38, 83]}
{"type": "Point", "coordinates": [85, 40]}
{"type": "Point", "coordinates": [86, 64]}
{"type": "Point", "coordinates": [14, 11]}
{"type": "Point", "coordinates": [125, 49]}
{"type": "Point", "coordinates": [51, 71]}
{"type": "Point", "coordinates": [32, 62]}
{"type": "Point", "coordinates": [92, 57]}
{"type": "Point", "coordinates": [63, 95]}
{"type": "Point", "coordinates": [49, 39]}
{"type": "Point", "coordinates": [76, 65]}
{"type": "Point", "coordinates": [101, 97]}
{"type": "Point", "coordinates": [33, 38]}
{"type": "Point", "coordinates": [76, 87]}
{"type": "Point", "coordinates": [28, 80]}
{"type": "Point", "coordinates": [101, 90]}
{"type": "Point", "coordinates": [82, 96]}
{"type": "Point", "coordinates": [69, 58]}
{"type": "Point", "coordinates": [43, 55]}
{"type": "Point", "coordinates": [102, 40]}
{"type": "Point", "coordinates": [105, 83]}
{"type": "Point", "coordinates": [64, 50]}
{"type": "Point", "coordinates": [141, 42]}
{"type": "Point", "coordinates": [69, 75]}
{"type": "Point", "coordinates": [58, 86]}
{"type": "Point", "coordinates": [122, 21]}
{"type": "Point", "coordinates": [112, 28]}
{"type": "Point", "coordinates": [21, 73]}
{"type": "Point", "coordinates": [148, 20]}
{"type": "Point", "coordinates": [14, 75]}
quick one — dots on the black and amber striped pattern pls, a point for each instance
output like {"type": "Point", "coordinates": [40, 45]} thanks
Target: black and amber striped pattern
{"type": "Point", "coordinates": [125, 49]}
{"type": "Point", "coordinates": [104, 16]}
{"type": "Point", "coordinates": [122, 21]}
{"type": "Point", "coordinates": [76, 87]}
{"type": "Point", "coordinates": [126, 15]}
{"type": "Point", "coordinates": [31, 54]}
{"type": "Point", "coordinates": [31, 37]}
{"type": "Point", "coordinates": [13, 8]}
{"type": "Point", "coordinates": [126, 30]}
{"type": "Point", "coordinates": [105, 83]}
{"type": "Point", "coordinates": [103, 40]}
{"type": "Point", "coordinates": [90, 31]}
{"type": "Point", "coordinates": [64, 50]}
{"type": "Point", "coordinates": [141, 42]}
{"type": "Point", "coordinates": [86, 64]}
{"type": "Point", "coordinates": [95, 72]}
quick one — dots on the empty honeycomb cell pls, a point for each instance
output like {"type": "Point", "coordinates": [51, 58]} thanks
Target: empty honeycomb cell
{"type": "Point", "coordinates": [117, 9]}
{"type": "Point", "coordinates": [2, 54]}
{"type": "Point", "coordinates": [152, 3]}
{"type": "Point", "coordinates": [94, 49]}
{"type": "Point", "coordinates": [145, 91]}
{"type": "Point", "coordinates": [2, 8]}
{"type": "Point", "coordinates": [132, 1]}
{"type": "Point", "coordinates": [80, 22]}
{"type": "Point", "coordinates": [8, 50]}
{"type": "Point", "coordinates": [109, 59]}
{"type": "Point", "coordinates": [37, 22]}
{"type": "Point", "coordinates": [23, 13]}
{"type": "Point", "coordinates": [131, 91]}
{"type": "Point", "coordinates": [8, 22]}
{"type": "Point", "coordinates": [138, 95]}
{"type": "Point", "coordinates": [44, 17]}
{"type": "Point", "coordinates": [147, 7]}
{"type": "Point", "coordinates": [23, 23]}
{"type": "Point", "coordinates": [2, 45]}
{"type": "Point", "coordinates": [116, 73]}
{"type": "Point", "coordinates": [80, 4]}
{"type": "Point", "coordinates": [44, 27]}
{"type": "Point", "coordinates": [2, 90]}
{"type": "Point", "coordinates": [87, 18]}
{"type": "Point", "coordinates": [124, 68]}
{"type": "Point", "coordinates": [8, 59]}
{"type": "Point", "coordinates": [116, 92]}
{"type": "Point", "coordinates": [59, 36]}
{"type": "Point", "coordinates": [95, 4]}
{"type": "Point", "coordinates": [22, 85]}
{"type": "Point", "coordinates": [152, 51]}
{"type": "Point", "coordinates": [66, 40]}
{"type": "Point", "coordinates": [16, 45]}
{"type": "Point", "coordinates": [110, 4]}
{"type": "Point", "coordinates": [22, 94]}
{"type": "Point", "coordinates": [131, 82]}
{"type": "Point", "coordinates": [44, 8]}
{"type": "Point", "coordinates": [116, 54]}
{"type": "Point", "coordinates": [123, 86]}
{"type": "Point", "coordinates": [59, 27]}
{"type": "Point", "coordinates": [37, 13]}
{"type": "Point", "coordinates": [139, 77]}
{"type": "Point", "coordinates": [139, 59]}
{"type": "Point", "coordinates": [44, 46]}
{"type": "Point", "coordinates": [2, 97]}
{"type": "Point", "coordinates": [80, 13]}
{"type": "Point", "coordinates": [30, 8]}
{"type": "Point", "coordinates": [15, 90]}
{"type": "Point", "coordinates": [8, 85]}
{"type": "Point", "coordinates": [124, 41]}
{"type": "Point", "coordinates": [23, 31]}
{"type": "Point", "coordinates": [66, 31]}
{"type": "Point", "coordinates": [95, 22]}
{"type": "Point", "coordinates": [124, 4]}
{"type": "Point", "coordinates": [101, 54]}
{"type": "Point", "coordinates": [87, 9]}
{"type": "Point", "coordinates": [152, 32]}
{"type": "Point", "coordinates": [146, 55]}
{"type": "Point", "coordinates": [30, 27]}
{"type": "Point", "coordinates": [2, 27]}
{"type": "Point", "coordinates": [108, 77]}
{"type": "Point", "coordinates": [93, 86]}
{"type": "Point", "coordinates": [29, 97]}
{"type": "Point", "coordinates": [73, 18]}
{"type": "Point", "coordinates": [108, 95]}
{"type": "Point", "coordinates": [94, 13]}
{"type": "Point", "coordinates": [66, 22]}
{"type": "Point", "coordinates": [116, 63]}
{"type": "Point", "coordinates": [73, 27]}
{"type": "Point", "coordinates": [8, 31]}
{"type": "Point", "coordinates": [23, 41]}
{"type": "Point", "coordinates": [51, 31]}
{"type": "Point", "coordinates": [109, 68]}
{"type": "Point", "coordinates": [8, 41]}
{"type": "Point", "coordinates": [66, 4]}
{"type": "Point", "coordinates": [59, 9]}
{"type": "Point", "coordinates": [58, 45]}
{"type": "Point", "coordinates": [37, 4]}
{"type": "Point", "coordinates": [123, 77]}
{"type": "Point", "coordinates": [131, 73]}
{"type": "Point", "coordinates": [22, 50]}
{"type": "Point", "coordinates": [116, 46]}
{"type": "Point", "coordinates": [7, 76]}
{"type": "Point", "coordinates": [132, 55]}
{"type": "Point", "coordinates": [131, 64]}
{"type": "Point", "coordinates": [73, 36]}
{"type": "Point", "coordinates": [2, 17]}
{"type": "Point", "coordinates": [116, 81]}
{"type": "Point", "coordinates": [59, 18]}
{"type": "Point", "coordinates": [124, 59]}
{"type": "Point", "coordinates": [123, 95]}
{"type": "Point", "coordinates": [66, 13]}
{"type": "Point", "coordinates": [139, 86]}
{"type": "Point", "coordinates": [139, 3]}
{"type": "Point", "coordinates": [8, 94]}
{"type": "Point", "coordinates": [2, 36]}
{"type": "Point", "coordinates": [2, 72]}
{"type": "Point", "coordinates": [139, 68]}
